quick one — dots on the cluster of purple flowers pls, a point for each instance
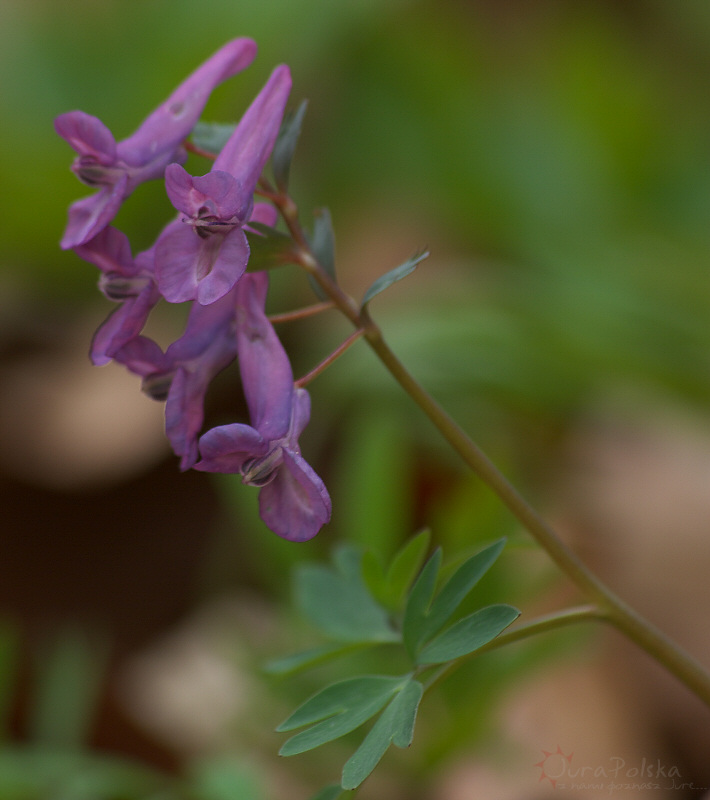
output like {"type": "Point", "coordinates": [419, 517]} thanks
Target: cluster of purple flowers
{"type": "Point", "coordinates": [200, 258]}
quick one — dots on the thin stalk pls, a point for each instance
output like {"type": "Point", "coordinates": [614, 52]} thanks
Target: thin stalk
{"type": "Point", "coordinates": [316, 371]}
{"type": "Point", "coordinates": [611, 607]}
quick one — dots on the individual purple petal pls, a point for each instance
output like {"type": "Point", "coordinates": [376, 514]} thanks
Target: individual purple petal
{"type": "Point", "coordinates": [225, 269]}
{"type": "Point", "coordinates": [248, 149]}
{"type": "Point", "coordinates": [295, 504]}
{"type": "Point", "coordinates": [88, 216]}
{"type": "Point", "coordinates": [189, 267]}
{"type": "Point", "coordinates": [227, 447]}
{"type": "Point", "coordinates": [142, 356]}
{"type": "Point", "coordinates": [123, 325]}
{"type": "Point", "coordinates": [87, 135]}
{"type": "Point", "coordinates": [266, 373]}
{"type": "Point", "coordinates": [174, 120]}
{"type": "Point", "coordinates": [110, 251]}
{"type": "Point", "coordinates": [265, 214]}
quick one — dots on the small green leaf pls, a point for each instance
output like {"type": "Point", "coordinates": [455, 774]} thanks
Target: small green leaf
{"type": "Point", "coordinates": [468, 634]}
{"type": "Point", "coordinates": [458, 586]}
{"type": "Point", "coordinates": [339, 604]}
{"type": "Point", "coordinates": [418, 602]}
{"type": "Point", "coordinates": [323, 245]}
{"type": "Point", "coordinates": [331, 792]}
{"type": "Point", "coordinates": [394, 275]}
{"type": "Point", "coordinates": [309, 658]}
{"type": "Point", "coordinates": [395, 726]}
{"type": "Point", "coordinates": [404, 567]}
{"type": "Point", "coordinates": [212, 136]}
{"type": "Point", "coordinates": [337, 710]}
{"type": "Point", "coordinates": [268, 247]}
{"type": "Point", "coordinates": [286, 145]}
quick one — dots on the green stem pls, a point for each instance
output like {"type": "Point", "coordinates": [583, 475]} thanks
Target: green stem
{"type": "Point", "coordinates": [610, 607]}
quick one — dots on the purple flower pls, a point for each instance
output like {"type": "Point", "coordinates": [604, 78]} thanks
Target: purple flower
{"type": "Point", "coordinates": [204, 253]}
{"type": "Point", "coordinates": [117, 168]}
{"type": "Point", "coordinates": [293, 500]}
{"type": "Point", "coordinates": [125, 280]}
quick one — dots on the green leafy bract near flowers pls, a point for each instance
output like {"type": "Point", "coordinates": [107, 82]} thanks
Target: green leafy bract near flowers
{"type": "Point", "coordinates": [468, 634]}
{"type": "Point", "coordinates": [322, 242]}
{"type": "Point", "coordinates": [212, 136]}
{"type": "Point", "coordinates": [286, 145]}
{"type": "Point", "coordinates": [395, 726]}
{"type": "Point", "coordinates": [268, 247]}
{"type": "Point", "coordinates": [337, 710]}
{"type": "Point", "coordinates": [394, 275]}
{"type": "Point", "coordinates": [338, 603]}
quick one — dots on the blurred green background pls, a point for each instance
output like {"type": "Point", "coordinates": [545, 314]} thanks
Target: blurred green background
{"type": "Point", "coordinates": [553, 156]}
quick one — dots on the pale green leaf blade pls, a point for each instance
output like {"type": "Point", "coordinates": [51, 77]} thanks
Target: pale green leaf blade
{"type": "Point", "coordinates": [395, 725]}
{"type": "Point", "coordinates": [468, 634]}
{"type": "Point", "coordinates": [394, 275]}
{"type": "Point", "coordinates": [337, 710]}
{"type": "Point", "coordinates": [458, 586]}
{"type": "Point", "coordinates": [341, 606]}
{"type": "Point", "coordinates": [418, 603]}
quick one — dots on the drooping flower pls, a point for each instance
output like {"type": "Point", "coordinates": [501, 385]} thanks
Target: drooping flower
{"type": "Point", "coordinates": [204, 253]}
{"type": "Point", "coordinates": [124, 280]}
{"type": "Point", "coordinates": [293, 500]}
{"type": "Point", "coordinates": [181, 376]}
{"type": "Point", "coordinates": [118, 167]}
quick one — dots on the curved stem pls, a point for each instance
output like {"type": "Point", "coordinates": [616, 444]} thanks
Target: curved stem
{"type": "Point", "coordinates": [609, 606]}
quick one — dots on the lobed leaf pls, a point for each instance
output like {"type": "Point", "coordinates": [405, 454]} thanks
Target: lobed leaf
{"type": "Point", "coordinates": [395, 726]}
{"type": "Point", "coordinates": [394, 275]}
{"type": "Point", "coordinates": [468, 634]}
{"type": "Point", "coordinates": [457, 587]}
{"type": "Point", "coordinates": [337, 710]}
{"type": "Point", "coordinates": [285, 146]}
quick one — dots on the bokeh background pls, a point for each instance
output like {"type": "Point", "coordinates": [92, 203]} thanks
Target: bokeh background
{"type": "Point", "coordinates": [554, 157]}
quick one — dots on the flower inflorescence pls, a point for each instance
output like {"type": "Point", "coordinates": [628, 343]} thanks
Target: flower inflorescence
{"type": "Point", "coordinates": [200, 258]}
